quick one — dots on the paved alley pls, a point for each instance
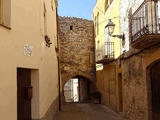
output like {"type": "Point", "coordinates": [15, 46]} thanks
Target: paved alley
{"type": "Point", "coordinates": [86, 112]}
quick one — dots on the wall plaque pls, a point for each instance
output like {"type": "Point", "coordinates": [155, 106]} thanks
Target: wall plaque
{"type": "Point", "coordinates": [28, 50]}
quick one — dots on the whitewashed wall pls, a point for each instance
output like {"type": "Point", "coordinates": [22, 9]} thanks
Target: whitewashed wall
{"type": "Point", "coordinates": [125, 6]}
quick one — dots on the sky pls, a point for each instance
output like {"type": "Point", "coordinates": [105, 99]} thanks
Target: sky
{"type": "Point", "coordinates": [76, 8]}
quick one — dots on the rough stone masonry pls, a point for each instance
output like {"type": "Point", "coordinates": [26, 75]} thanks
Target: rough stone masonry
{"type": "Point", "coordinates": [76, 48]}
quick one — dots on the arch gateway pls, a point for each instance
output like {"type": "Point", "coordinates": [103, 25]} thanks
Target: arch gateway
{"type": "Point", "coordinates": [77, 57]}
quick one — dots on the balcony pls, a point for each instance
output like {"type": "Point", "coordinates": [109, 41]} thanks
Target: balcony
{"type": "Point", "coordinates": [105, 53]}
{"type": "Point", "coordinates": [145, 25]}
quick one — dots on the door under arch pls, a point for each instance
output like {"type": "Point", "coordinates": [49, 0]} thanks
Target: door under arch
{"type": "Point", "coordinates": [76, 90]}
{"type": "Point", "coordinates": [155, 87]}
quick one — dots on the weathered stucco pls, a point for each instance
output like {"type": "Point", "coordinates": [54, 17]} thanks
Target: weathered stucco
{"type": "Point", "coordinates": [27, 29]}
{"type": "Point", "coordinates": [107, 82]}
{"type": "Point", "coordinates": [137, 84]}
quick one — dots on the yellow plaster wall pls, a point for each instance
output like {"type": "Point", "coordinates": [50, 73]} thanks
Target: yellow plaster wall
{"type": "Point", "coordinates": [107, 78]}
{"type": "Point", "coordinates": [100, 8]}
{"type": "Point", "coordinates": [107, 85]}
{"type": "Point", "coordinates": [113, 13]}
{"type": "Point", "coordinates": [27, 28]}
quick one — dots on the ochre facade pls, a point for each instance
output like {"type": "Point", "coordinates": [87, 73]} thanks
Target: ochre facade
{"type": "Point", "coordinates": [23, 46]}
{"type": "Point", "coordinates": [108, 85]}
{"type": "Point", "coordinates": [108, 50]}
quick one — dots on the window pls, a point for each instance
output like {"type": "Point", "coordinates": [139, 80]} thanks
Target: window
{"type": "Point", "coordinates": [107, 4]}
{"type": "Point", "coordinates": [98, 42]}
{"type": "Point", "coordinates": [71, 27]}
{"type": "Point", "coordinates": [45, 20]}
{"type": "Point", "coordinates": [1, 12]}
{"type": "Point", "coordinates": [5, 13]}
{"type": "Point", "coordinates": [97, 23]}
{"type": "Point", "coordinates": [52, 4]}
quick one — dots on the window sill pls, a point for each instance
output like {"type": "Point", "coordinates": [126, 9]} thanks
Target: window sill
{"type": "Point", "coordinates": [5, 27]}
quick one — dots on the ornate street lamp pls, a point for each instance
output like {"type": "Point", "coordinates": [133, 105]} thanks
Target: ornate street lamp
{"type": "Point", "coordinates": [110, 26]}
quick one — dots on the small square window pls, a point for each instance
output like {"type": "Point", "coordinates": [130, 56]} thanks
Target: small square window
{"type": "Point", "coordinates": [71, 27]}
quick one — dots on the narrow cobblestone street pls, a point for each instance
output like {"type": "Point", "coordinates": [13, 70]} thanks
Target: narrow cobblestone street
{"type": "Point", "coordinates": [86, 112]}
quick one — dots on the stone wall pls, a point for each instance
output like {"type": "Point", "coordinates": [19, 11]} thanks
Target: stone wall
{"type": "Point", "coordinates": [134, 89]}
{"type": "Point", "coordinates": [76, 48]}
{"type": "Point", "coordinates": [137, 84]}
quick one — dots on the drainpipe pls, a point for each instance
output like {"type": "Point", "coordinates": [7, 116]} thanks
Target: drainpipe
{"type": "Point", "coordinates": [58, 59]}
{"type": "Point", "coordinates": [94, 52]}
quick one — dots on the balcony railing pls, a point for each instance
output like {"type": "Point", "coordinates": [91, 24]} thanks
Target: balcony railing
{"type": "Point", "coordinates": [105, 53]}
{"type": "Point", "coordinates": [145, 25]}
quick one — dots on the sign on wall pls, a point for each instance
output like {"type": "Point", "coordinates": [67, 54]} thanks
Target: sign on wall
{"type": "Point", "coordinates": [28, 50]}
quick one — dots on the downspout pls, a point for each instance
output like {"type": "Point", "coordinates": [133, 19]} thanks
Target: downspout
{"type": "Point", "coordinates": [115, 76]}
{"type": "Point", "coordinates": [58, 59]}
{"type": "Point", "coordinates": [94, 52]}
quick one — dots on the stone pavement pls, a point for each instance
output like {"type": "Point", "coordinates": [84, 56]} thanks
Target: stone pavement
{"type": "Point", "coordinates": [86, 112]}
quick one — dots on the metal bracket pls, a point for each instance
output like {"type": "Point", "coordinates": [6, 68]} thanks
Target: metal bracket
{"type": "Point", "coordinates": [119, 36]}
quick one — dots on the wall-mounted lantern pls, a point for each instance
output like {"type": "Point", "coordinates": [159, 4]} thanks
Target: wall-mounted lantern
{"type": "Point", "coordinates": [48, 41]}
{"type": "Point", "coordinates": [111, 26]}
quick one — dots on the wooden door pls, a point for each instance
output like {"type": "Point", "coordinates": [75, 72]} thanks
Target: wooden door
{"type": "Point", "coordinates": [155, 87]}
{"type": "Point", "coordinates": [83, 90]}
{"type": "Point", "coordinates": [23, 100]}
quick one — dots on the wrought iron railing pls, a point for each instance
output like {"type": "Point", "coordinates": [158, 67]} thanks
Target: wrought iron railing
{"type": "Point", "coordinates": [145, 20]}
{"type": "Point", "coordinates": [109, 49]}
{"type": "Point", "coordinates": [105, 51]}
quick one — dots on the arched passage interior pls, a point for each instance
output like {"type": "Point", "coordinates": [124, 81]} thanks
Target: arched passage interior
{"type": "Point", "coordinates": [77, 89]}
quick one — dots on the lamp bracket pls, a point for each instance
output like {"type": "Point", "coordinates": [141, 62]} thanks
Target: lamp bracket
{"type": "Point", "coordinates": [119, 36]}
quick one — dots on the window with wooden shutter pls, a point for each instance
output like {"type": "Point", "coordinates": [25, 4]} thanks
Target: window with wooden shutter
{"type": "Point", "coordinates": [1, 12]}
{"type": "Point", "coordinates": [45, 19]}
{"type": "Point", "coordinates": [106, 4]}
{"type": "Point", "coordinates": [97, 23]}
{"type": "Point", "coordinates": [5, 13]}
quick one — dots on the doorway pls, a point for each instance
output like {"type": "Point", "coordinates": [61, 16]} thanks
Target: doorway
{"type": "Point", "coordinates": [24, 94]}
{"type": "Point", "coordinates": [71, 90]}
{"type": "Point", "coordinates": [77, 90]}
{"type": "Point", "coordinates": [155, 88]}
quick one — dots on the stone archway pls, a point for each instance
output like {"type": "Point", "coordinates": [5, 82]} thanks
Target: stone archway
{"type": "Point", "coordinates": [153, 83]}
{"type": "Point", "coordinates": [66, 77]}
